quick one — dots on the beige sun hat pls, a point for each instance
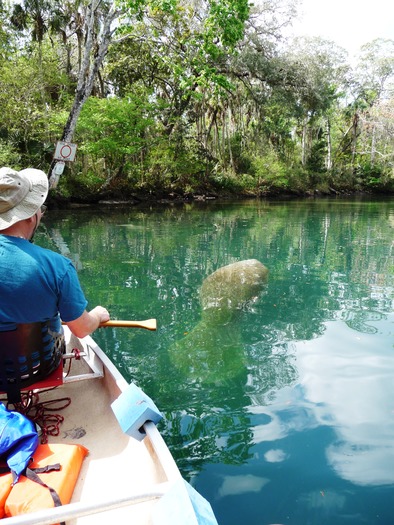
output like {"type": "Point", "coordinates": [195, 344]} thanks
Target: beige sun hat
{"type": "Point", "coordinates": [21, 194]}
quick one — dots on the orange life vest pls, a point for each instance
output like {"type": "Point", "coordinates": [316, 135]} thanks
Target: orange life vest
{"type": "Point", "coordinates": [29, 496]}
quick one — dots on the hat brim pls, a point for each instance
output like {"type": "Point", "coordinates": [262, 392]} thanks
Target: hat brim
{"type": "Point", "coordinates": [31, 203]}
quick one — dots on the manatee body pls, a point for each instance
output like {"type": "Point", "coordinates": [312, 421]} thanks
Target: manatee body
{"type": "Point", "coordinates": [225, 291]}
{"type": "Point", "coordinates": [209, 354]}
{"type": "Point", "coordinates": [213, 351]}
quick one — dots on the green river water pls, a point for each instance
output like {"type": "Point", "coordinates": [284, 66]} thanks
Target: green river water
{"type": "Point", "coordinates": [286, 414]}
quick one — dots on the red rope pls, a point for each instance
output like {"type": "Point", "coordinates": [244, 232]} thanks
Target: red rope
{"type": "Point", "coordinates": [49, 422]}
{"type": "Point", "coordinates": [41, 413]}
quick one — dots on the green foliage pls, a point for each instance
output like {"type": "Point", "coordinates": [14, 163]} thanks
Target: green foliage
{"type": "Point", "coordinates": [175, 167]}
{"type": "Point", "coordinates": [188, 101]}
{"type": "Point", "coordinates": [269, 172]}
{"type": "Point", "coordinates": [30, 98]}
{"type": "Point", "coordinates": [8, 155]}
{"type": "Point", "coordinates": [316, 160]}
{"type": "Point", "coordinates": [81, 184]}
{"type": "Point", "coordinates": [113, 127]}
{"type": "Point", "coordinates": [226, 22]}
{"type": "Point", "coordinates": [373, 175]}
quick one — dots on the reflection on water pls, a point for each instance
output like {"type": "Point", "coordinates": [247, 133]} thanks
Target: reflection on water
{"type": "Point", "coordinates": [284, 414]}
{"type": "Point", "coordinates": [236, 485]}
{"type": "Point", "coordinates": [358, 404]}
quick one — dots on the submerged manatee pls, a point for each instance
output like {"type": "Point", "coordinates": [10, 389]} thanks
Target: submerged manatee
{"type": "Point", "coordinates": [213, 352]}
{"type": "Point", "coordinates": [225, 291]}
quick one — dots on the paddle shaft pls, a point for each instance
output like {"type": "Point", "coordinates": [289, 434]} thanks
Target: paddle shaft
{"type": "Point", "coordinates": [149, 324]}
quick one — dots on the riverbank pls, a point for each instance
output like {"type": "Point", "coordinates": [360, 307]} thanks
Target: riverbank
{"type": "Point", "coordinates": [56, 200]}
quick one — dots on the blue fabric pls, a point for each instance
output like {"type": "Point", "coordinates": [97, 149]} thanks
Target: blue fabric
{"type": "Point", "coordinates": [37, 284]}
{"type": "Point", "coordinates": [18, 440]}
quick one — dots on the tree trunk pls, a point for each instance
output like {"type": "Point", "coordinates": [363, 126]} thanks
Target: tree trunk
{"type": "Point", "coordinates": [354, 136]}
{"type": "Point", "coordinates": [88, 72]}
{"type": "Point", "coordinates": [304, 143]}
{"type": "Point", "coordinates": [373, 144]}
{"type": "Point", "coordinates": [329, 147]}
{"type": "Point", "coordinates": [89, 69]}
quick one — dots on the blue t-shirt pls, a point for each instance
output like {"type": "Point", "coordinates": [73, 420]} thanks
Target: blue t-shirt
{"type": "Point", "coordinates": [37, 284]}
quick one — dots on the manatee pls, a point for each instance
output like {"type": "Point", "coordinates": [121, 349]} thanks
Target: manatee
{"type": "Point", "coordinates": [225, 291]}
{"type": "Point", "coordinates": [213, 351]}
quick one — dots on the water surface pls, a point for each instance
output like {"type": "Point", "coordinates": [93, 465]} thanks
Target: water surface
{"type": "Point", "coordinates": [286, 414]}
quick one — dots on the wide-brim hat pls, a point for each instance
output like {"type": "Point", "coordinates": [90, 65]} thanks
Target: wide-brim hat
{"type": "Point", "coordinates": [21, 194]}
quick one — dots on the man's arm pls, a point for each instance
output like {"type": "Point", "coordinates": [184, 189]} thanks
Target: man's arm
{"type": "Point", "coordinates": [88, 322]}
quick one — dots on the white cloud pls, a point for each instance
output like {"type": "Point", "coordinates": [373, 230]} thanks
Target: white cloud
{"type": "Point", "coordinates": [275, 456]}
{"type": "Point", "coordinates": [350, 387]}
{"type": "Point", "coordinates": [235, 485]}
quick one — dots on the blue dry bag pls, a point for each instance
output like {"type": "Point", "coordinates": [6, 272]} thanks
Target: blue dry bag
{"type": "Point", "coordinates": [18, 440]}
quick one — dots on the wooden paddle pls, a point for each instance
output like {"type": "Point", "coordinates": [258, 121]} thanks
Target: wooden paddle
{"type": "Point", "coordinates": [149, 324]}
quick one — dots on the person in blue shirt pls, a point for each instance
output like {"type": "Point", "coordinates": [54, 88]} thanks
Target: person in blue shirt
{"type": "Point", "coordinates": [36, 284]}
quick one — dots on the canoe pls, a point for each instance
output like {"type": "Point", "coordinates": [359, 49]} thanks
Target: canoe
{"type": "Point", "coordinates": [129, 475]}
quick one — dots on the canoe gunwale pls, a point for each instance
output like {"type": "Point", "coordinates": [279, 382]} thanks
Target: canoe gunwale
{"type": "Point", "coordinates": [81, 509]}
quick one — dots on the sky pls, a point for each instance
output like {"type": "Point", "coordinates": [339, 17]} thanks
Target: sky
{"type": "Point", "coordinates": [349, 23]}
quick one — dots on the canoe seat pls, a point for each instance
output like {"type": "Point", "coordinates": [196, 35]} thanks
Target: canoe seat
{"type": "Point", "coordinates": [30, 358]}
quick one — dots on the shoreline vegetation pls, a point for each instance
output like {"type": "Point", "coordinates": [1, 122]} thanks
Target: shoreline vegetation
{"type": "Point", "coordinates": [170, 100]}
{"type": "Point", "coordinates": [56, 201]}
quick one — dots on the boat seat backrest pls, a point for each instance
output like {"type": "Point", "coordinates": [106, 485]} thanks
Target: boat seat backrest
{"type": "Point", "coordinates": [29, 352]}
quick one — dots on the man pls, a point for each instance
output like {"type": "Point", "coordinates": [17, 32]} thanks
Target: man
{"type": "Point", "coordinates": [36, 284]}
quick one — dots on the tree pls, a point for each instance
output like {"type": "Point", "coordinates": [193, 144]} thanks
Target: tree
{"type": "Point", "coordinates": [375, 68]}
{"type": "Point", "coordinates": [29, 84]}
{"type": "Point", "coordinates": [376, 75]}
{"type": "Point", "coordinates": [323, 67]}
{"type": "Point", "coordinates": [219, 31]}
{"type": "Point", "coordinates": [369, 90]}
